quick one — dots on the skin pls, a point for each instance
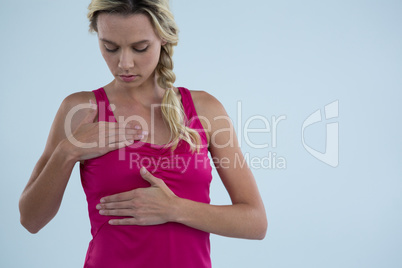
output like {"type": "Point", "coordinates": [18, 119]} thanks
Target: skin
{"type": "Point", "coordinates": [157, 204]}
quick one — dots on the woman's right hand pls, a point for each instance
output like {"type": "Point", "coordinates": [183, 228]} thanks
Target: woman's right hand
{"type": "Point", "coordinates": [74, 136]}
{"type": "Point", "coordinates": [92, 139]}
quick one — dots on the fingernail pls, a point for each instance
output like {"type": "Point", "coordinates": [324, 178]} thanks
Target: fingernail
{"type": "Point", "coordinates": [137, 127]}
{"type": "Point", "coordinates": [101, 212]}
{"type": "Point", "coordinates": [143, 171]}
{"type": "Point", "coordinates": [102, 200]}
{"type": "Point", "coordinates": [98, 206]}
{"type": "Point", "coordinates": [145, 132]}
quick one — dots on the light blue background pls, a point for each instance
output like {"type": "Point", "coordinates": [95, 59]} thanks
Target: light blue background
{"type": "Point", "coordinates": [276, 57]}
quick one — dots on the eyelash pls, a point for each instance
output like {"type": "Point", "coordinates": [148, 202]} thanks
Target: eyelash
{"type": "Point", "coordinates": [137, 50]}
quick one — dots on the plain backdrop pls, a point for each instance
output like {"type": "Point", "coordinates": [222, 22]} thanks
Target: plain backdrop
{"type": "Point", "coordinates": [259, 58]}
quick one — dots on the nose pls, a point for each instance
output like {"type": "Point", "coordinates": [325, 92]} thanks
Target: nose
{"type": "Point", "coordinates": [126, 61]}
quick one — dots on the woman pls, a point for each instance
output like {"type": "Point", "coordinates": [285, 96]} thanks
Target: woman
{"type": "Point", "coordinates": [143, 150]}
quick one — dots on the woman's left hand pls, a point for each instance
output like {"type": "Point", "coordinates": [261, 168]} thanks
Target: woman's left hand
{"type": "Point", "coordinates": [143, 206]}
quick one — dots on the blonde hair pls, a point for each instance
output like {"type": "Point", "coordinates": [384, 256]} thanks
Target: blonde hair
{"type": "Point", "coordinates": [163, 22]}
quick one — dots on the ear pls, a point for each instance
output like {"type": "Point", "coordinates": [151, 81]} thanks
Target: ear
{"type": "Point", "coordinates": [164, 42]}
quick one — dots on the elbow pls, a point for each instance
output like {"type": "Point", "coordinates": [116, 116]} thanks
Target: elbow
{"type": "Point", "coordinates": [29, 226]}
{"type": "Point", "coordinates": [255, 223]}
{"type": "Point", "coordinates": [260, 225]}
{"type": "Point", "coordinates": [24, 220]}
{"type": "Point", "coordinates": [29, 221]}
{"type": "Point", "coordinates": [34, 224]}
{"type": "Point", "coordinates": [261, 229]}
{"type": "Point", "coordinates": [264, 230]}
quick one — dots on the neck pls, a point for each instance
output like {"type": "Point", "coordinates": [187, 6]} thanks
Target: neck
{"type": "Point", "coordinates": [147, 93]}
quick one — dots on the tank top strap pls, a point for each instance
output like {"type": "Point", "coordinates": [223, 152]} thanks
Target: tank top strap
{"type": "Point", "coordinates": [193, 120]}
{"type": "Point", "coordinates": [104, 110]}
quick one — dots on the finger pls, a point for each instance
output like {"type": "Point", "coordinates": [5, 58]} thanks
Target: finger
{"type": "Point", "coordinates": [126, 221]}
{"type": "Point", "coordinates": [130, 131]}
{"type": "Point", "coordinates": [125, 196]}
{"type": "Point", "coordinates": [116, 131]}
{"type": "Point", "coordinates": [116, 205]}
{"type": "Point", "coordinates": [149, 177]}
{"type": "Point", "coordinates": [117, 212]}
{"type": "Point", "coordinates": [118, 145]}
{"type": "Point", "coordinates": [121, 126]}
{"type": "Point", "coordinates": [123, 137]}
{"type": "Point", "coordinates": [129, 125]}
{"type": "Point", "coordinates": [114, 141]}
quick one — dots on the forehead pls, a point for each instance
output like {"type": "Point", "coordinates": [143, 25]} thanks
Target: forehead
{"type": "Point", "coordinates": [125, 28]}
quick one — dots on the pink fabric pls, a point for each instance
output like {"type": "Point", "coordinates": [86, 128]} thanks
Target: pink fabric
{"type": "Point", "coordinates": [187, 175]}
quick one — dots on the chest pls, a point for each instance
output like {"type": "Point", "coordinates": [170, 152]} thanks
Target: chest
{"type": "Point", "coordinates": [187, 175]}
{"type": "Point", "coordinates": [150, 120]}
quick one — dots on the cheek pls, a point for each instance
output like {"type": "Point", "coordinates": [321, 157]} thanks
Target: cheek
{"type": "Point", "coordinates": [109, 59]}
{"type": "Point", "coordinates": [152, 58]}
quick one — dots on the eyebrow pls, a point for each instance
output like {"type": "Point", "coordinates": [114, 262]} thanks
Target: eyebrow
{"type": "Point", "coordinates": [113, 43]}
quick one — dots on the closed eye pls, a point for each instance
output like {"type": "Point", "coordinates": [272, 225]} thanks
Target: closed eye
{"type": "Point", "coordinates": [110, 50]}
{"type": "Point", "coordinates": [141, 50]}
{"type": "Point", "coordinates": [135, 49]}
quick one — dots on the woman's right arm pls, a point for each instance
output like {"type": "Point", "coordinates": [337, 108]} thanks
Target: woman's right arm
{"type": "Point", "coordinates": [42, 196]}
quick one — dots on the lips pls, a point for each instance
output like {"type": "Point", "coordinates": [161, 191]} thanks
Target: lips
{"type": "Point", "coordinates": [127, 78]}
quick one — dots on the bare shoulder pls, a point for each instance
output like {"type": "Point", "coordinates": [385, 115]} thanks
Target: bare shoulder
{"type": "Point", "coordinates": [211, 113]}
{"type": "Point", "coordinates": [206, 104]}
{"type": "Point", "coordinates": [77, 98]}
{"type": "Point", "coordinates": [69, 114]}
{"type": "Point", "coordinates": [76, 106]}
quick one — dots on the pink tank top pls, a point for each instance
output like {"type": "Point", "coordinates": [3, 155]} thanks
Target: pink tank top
{"type": "Point", "coordinates": [188, 175]}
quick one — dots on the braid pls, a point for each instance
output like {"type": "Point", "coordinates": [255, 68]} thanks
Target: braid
{"type": "Point", "coordinates": [172, 108]}
{"type": "Point", "coordinates": [165, 67]}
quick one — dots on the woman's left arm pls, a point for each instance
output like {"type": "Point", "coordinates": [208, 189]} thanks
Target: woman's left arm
{"type": "Point", "coordinates": [245, 218]}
